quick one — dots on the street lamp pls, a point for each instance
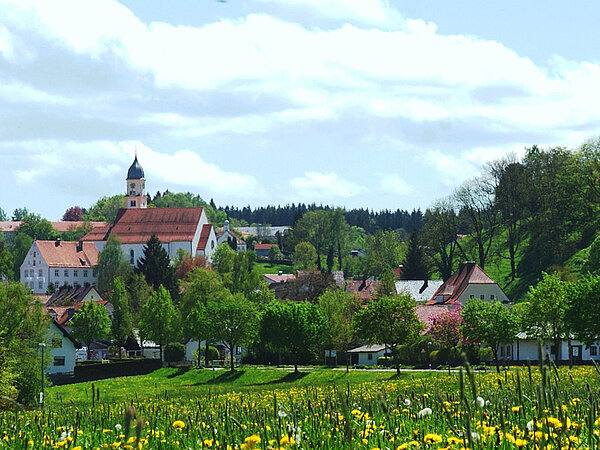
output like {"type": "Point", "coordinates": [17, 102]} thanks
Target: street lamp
{"type": "Point", "coordinates": [42, 346]}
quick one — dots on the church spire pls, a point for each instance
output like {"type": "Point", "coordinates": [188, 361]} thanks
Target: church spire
{"type": "Point", "coordinates": [135, 195]}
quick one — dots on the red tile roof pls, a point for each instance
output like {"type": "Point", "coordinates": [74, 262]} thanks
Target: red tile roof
{"type": "Point", "coordinates": [61, 227]}
{"type": "Point", "coordinates": [277, 278]}
{"type": "Point", "coordinates": [264, 246]}
{"type": "Point", "coordinates": [365, 290]}
{"type": "Point", "coordinates": [136, 226]}
{"type": "Point", "coordinates": [204, 235]}
{"type": "Point", "coordinates": [453, 287]}
{"type": "Point", "coordinates": [67, 254]}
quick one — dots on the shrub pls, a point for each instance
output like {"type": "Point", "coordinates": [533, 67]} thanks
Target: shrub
{"type": "Point", "coordinates": [174, 352]}
{"type": "Point", "coordinates": [213, 353]}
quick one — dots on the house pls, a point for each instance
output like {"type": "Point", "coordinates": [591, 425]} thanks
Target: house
{"type": "Point", "coordinates": [468, 282]}
{"type": "Point", "coordinates": [263, 232]}
{"type": "Point", "coordinates": [262, 250]}
{"type": "Point", "coordinates": [59, 263]}
{"type": "Point", "coordinates": [226, 235]}
{"type": "Point", "coordinates": [64, 314]}
{"type": "Point", "coordinates": [364, 289]}
{"type": "Point", "coordinates": [420, 290]}
{"type": "Point", "coordinates": [176, 228]}
{"type": "Point", "coordinates": [62, 349]}
{"type": "Point", "coordinates": [280, 277]}
{"type": "Point", "coordinates": [70, 296]}
{"type": "Point", "coordinates": [525, 348]}
{"type": "Point", "coordinates": [367, 354]}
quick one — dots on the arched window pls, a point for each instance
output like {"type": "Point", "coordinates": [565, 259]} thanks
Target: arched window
{"type": "Point", "coordinates": [131, 257]}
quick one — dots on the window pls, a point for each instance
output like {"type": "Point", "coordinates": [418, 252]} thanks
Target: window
{"type": "Point", "coordinates": [56, 273]}
{"type": "Point", "coordinates": [482, 296]}
{"type": "Point", "coordinates": [471, 296]}
{"type": "Point", "coordinates": [66, 274]}
{"type": "Point", "coordinates": [132, 203]}
{"type": "Point", "coordinates": [212, 244]}
{"type": "Point", "coordinates": [26, 273]}
{"type": "Point", "coordinates": [40, 285]}
{"type": "Point", "coordinates": [74, 273]}
{"type": "Point", "coordinates": [553, 350]}
{"type": "Point", "coordinates": [34, 254]}
{"type": "Point", "coordinates": [593, 350]}
{"type": "Point", "coordinates": [59, 360]}
{"type": "Point", "coordinates": [40, 273]}
{"type": "Point", "coordinates": [34, 262]}
{"type": "Point", "coordinates": [85, 273]}
{"type": "Point", "coordinates": [492, 297]}
{"type": "Point", "coordinates": [131, 257]}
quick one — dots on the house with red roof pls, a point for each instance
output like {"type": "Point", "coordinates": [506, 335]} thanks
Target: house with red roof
{"type": "Point", "coordinates": [467, 283]}
{"type": "Point", "coordinates": [59, 263]}
{"type": "Point", "coordinates": [262, 250]}
{"type": "Point", "coordinates": [176, 228]}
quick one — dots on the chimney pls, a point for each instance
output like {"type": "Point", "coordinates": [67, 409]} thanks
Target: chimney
{"type": "Point", "coordinates": [57, 243]}
{"type": "Point", "coordinates": [280, 273]}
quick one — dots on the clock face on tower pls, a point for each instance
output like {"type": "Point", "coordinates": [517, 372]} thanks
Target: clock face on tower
{"type": "Point", "coordinates": [132, 185]}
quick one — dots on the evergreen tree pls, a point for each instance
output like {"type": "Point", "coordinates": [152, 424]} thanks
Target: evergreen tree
{"type": "Point", "coordinates": [156, 266]}
{"type": "Point", "coordinates": [415, 267]}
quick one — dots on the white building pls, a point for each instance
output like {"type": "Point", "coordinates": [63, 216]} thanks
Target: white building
{"type": "Point", "coordinates": [367, 354]}
{"type": "Point", "coordinates": [420, 290]}
{"type": "Point", "coordinates": [467, 283]}
{"type": "Point", "coordinates": [62, 350]}
{"type": "Point", "coordinates": [176, 228]}
{"type": "Point", "coordinates": [226, 235]}
{"type": "Point", "coordinates": [59, 263]}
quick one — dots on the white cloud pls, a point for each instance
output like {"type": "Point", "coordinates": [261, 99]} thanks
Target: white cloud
{"type": "Point", "coordinates": [371, 12]}
{"type": "Point", "coordinates": [393, 184]}
{"type": "Point", "coordinates": [315, 186]}
{"type": "Point", "coordinates": [186, 168]}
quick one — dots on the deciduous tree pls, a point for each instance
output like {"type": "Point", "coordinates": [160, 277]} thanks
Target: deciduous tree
{"type": "Point", "coordinates": [391, 321]}
{"type": "Point", "coordinates": [90, 323]}
{"type": "Point", "coordinates": [304, 256]}
{"type": "Point", "coordinates": [111, 264]}
{"type": "Point", "coordinates": [160, 322]}
{"type": "Point", "coordinates": [73, 214]}
{"type": "Point", "coordinates": [338, 308]}
{"type": "Point", "coordinates": [291, 326]}
{"type": "Point", "coordinates": [489, 323]}
{"type": "Point", "coordinates": [546, 311]}
{"type": "Point", "coordinates": [121, 325]}
{"type": "Point", "coordinates": [235, 321]}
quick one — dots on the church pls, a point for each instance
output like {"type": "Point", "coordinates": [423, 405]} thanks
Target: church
{"type": "Point", "coordinates": [176, 228]}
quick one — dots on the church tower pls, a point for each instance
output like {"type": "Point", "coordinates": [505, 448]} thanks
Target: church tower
{"type": "Point", "coordinates": [135, 196]}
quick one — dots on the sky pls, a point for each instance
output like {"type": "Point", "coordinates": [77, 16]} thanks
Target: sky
{"type": "Point", "coordinates": [355, 103]}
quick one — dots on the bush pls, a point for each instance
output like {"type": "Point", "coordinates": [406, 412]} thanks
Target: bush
{"type": "Point", "coordinates": [486, 354]}
{"type": "Point", "coordinates": [174, 352]}
{"type": "Point", "coordinates": [213, 353]}
{"type": "Point", "coordinates": [384, 361]}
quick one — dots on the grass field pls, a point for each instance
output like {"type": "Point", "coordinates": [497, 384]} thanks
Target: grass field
{"type": "Point", "coordinates": [535, 408]}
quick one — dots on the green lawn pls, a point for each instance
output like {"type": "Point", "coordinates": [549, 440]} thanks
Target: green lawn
{"type": "Point", "coordinates": [263, 268]}
{"type": "Point", "coordinates": [175, 383]}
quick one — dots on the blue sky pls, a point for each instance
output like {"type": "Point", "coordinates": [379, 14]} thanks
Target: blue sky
{"type": "Point", "coordinates": [356, 103]}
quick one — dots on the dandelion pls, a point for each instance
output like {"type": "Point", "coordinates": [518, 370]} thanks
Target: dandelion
{"type": "Point", "coordinates": [282, 414]}
{"type": "Point", "coordinates": [425, 412]}
{"type": "Point", "coordinates": [480, 402]}
{"type": "Point", "coordinates": [178, 425]}
{"type": "Point", "coordinates": [432, 438]}
{"type": "Point", "coordinates": [407, 402]}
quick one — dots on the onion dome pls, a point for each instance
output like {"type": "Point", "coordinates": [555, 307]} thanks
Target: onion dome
{"type": "Point", "coordinates": [135, 172]}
